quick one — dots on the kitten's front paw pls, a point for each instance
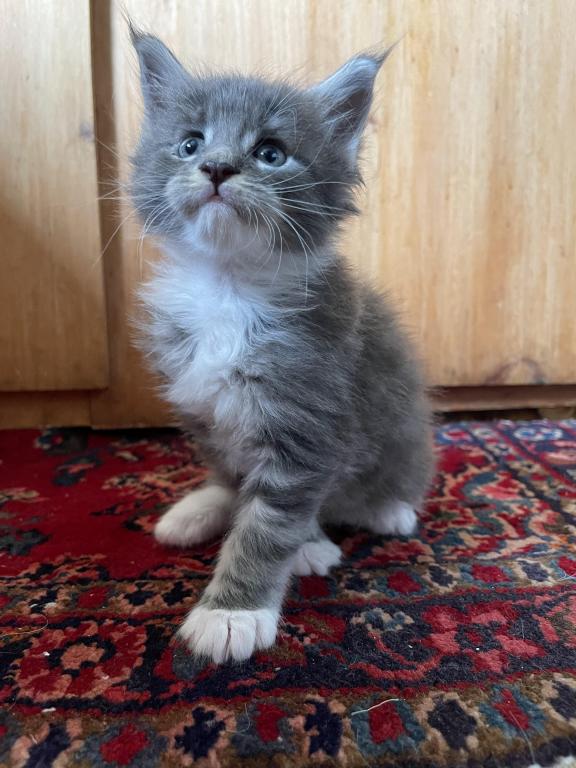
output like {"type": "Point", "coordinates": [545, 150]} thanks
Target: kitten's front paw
{"type": "Point", "coordinates": [220, 634]}
{"type": "Point", "coordinates": [316, 557]}
{"type": "Point", "coordinates": [200, 516]}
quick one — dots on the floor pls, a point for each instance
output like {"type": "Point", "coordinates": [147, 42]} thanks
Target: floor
{"type": "Point", "coordinates": [455, 648]}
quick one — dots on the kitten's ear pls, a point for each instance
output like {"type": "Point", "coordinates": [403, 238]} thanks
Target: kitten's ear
{"type": "Point", "coordinates": [345, 97]}
{"type": "Point", "coordinates": [160, 70]}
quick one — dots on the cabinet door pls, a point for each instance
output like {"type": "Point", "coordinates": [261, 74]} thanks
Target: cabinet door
{"type": "Point", "coordinates": [52, 312]}
{"type": "Point", "coordinates": [469, 207]}
{"type": "Point", "coordinates": [471, 182]}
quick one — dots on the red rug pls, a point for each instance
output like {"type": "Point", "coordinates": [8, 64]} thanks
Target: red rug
{"type": "Point", "coordinates": [454, 648]}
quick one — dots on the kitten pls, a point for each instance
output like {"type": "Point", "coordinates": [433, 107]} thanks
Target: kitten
{"type": "Point", "coordinates": [293, 376]}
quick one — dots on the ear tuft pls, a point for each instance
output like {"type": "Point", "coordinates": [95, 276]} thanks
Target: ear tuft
{"type": "Point", "coordinates": [160, 70]}
{"type": "Point", "coordinates": [345, 97]}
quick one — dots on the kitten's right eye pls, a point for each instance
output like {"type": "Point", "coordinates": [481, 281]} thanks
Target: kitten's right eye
{"type": "Point", "coordinates": [190, 146]}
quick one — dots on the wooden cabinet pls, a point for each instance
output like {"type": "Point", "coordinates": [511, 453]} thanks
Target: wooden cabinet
{"type": "Point", "coordinates": [53, 332]}
{"type": "Point", "coordinates": [469, 209]}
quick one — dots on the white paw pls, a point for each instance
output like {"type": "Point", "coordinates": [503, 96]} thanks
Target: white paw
{"type": "Point", "coordinates": [316, 557]}
{"type": "Point", "coordinates": [200, 516]}
{"type": "Point", "coordinates": [397, 518]}
{"type": "Point", "coordinates": [221, 635]}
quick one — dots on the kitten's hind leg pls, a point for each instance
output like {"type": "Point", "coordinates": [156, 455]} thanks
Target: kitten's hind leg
{"type": "Point", "coordinates": [394, 518]}
{"type": "Point", "coordinates": [200, 516]}
{"type": "Point", "coordinates": [317, 555]}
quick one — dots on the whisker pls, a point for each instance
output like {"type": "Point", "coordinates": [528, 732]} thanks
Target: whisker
{"type": "Point", "coordinates": [112, 236]}
{"type": "Point", "coordinates": [148, 224]}
{"type": "Point", "coordinates": [305, 247]}
{"type": "Point", "coordinates": [317, 208]}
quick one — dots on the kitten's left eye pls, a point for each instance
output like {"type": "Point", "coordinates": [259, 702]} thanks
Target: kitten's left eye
{"type": "Point", "coordinates": [190, 146]}
{"type": "Point", "coordinates": [271, 154]}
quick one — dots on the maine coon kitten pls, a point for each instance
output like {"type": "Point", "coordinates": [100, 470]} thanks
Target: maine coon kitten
{"type": "Point", "coordinates": [293, 376]}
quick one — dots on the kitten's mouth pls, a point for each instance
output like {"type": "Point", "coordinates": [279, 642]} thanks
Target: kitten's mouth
{"type": "Point", "coordinates": [220, 200]}
{"type": "Point", "coordinates": [217, 202]}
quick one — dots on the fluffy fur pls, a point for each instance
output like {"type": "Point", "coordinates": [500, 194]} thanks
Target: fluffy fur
{"type": "Point", "coordinates": [293, 376]}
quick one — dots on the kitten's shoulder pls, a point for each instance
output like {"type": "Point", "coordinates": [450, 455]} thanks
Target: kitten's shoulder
{"type": "Point", "coordinates": [362, 312]}
{"type": "Point", "coordinates": [349, 300]}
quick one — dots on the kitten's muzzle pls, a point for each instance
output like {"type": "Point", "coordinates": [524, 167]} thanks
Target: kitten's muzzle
{"type": "Point", "coordinates": [218, 172]}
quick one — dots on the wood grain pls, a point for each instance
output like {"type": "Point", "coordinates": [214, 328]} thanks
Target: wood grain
{"type": "Point", "coordinates": [471, 194]}
{"type": "Point", "coordinates": [470, 167]}
{"type": "Point", "coordinates": [19, 410]}
{"type": "Point", "coordinates": [52, 313]}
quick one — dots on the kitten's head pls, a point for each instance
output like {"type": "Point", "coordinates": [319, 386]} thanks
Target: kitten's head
{"type": "Point", "coordinates": [226, 160]}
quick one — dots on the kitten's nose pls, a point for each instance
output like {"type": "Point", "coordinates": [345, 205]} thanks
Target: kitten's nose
{"type": "Point", "coordinates": [218, 172]}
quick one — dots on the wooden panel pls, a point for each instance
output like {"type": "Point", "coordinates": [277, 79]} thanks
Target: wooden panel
{"type": "Point", "coordinates": [503, 398]}
{"type": "Point", "coordinates": [472, 198]}
{"type": "Point", "coordinates": [52, 313]}
{"type": "Point", "coordinates": [130, 398]}
{"type": "Point", "coordinates": [470, 169]}
{"type": "Point", "coordinates": [19, 410]}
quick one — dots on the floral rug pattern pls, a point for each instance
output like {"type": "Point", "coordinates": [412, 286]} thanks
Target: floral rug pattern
{"type": "Point", "coordinates": [452, 649]}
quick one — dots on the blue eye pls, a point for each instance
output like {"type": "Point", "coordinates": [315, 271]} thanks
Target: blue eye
{"type": "Point", "coordinates": [271, 154]}
{"type": "Point", "coordinates": [189, 146]}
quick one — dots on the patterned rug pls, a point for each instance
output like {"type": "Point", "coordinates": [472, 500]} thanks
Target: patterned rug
{"type": "Point", "coordinates": [453, 648]}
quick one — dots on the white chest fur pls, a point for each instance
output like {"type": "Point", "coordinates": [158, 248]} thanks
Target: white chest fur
{"type": "Point", "coordinates": [200, 331]}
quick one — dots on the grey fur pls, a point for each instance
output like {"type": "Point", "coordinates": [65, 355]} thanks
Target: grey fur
{"type": "Point", "coordinates": [335, 421]}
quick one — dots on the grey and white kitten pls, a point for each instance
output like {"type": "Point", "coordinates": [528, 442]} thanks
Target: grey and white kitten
{"type": "Point", "coordinates": [294, 377]}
